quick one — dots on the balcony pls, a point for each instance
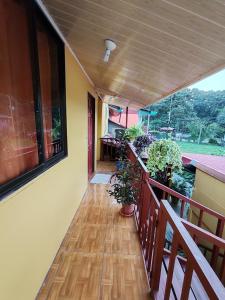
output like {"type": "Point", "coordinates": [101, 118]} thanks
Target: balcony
{"type": "Point", "coordinates": [132, 258]}
{"type": "Point", "coordinates": [54, 97]}
{"type": "Point", "coordinates": [100, 256]}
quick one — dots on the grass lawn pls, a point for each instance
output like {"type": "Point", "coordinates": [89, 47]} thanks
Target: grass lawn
{"type": "Point", "coordinates": [201, 149]}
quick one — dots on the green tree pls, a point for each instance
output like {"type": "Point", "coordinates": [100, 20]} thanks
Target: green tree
{"type": "Point", "coordinates": [214, 131]}
{"type": "Point", "coordinates": [197, 130]}
{"type": "Point", "coordinates": [221, 117]}
{"type": "Point", "coordinates": [172, 111]}
{"type": "Point", "coordinates": [192, 111]}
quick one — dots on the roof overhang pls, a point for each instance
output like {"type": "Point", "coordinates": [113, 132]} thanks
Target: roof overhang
{"type": "Point", "coordinates": [162, 45]}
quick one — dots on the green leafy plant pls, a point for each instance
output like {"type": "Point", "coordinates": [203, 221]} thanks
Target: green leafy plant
{"type": "Point", "coordinates": [56, 131]}
{"type": "Point", "coordinates": [121, 152]}
{"type": "Point", "coordinates": [180, 185]}
{"type": "Point", "coordinates": [125, 187]}
{"type": "Point", "coordinates": [164, 159]}
{"type": "Point", "coordinates": [188, 176]}
{"type": "Point", "coordinates": [134, 131]}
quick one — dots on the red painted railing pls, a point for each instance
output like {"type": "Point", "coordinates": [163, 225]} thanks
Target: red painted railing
{"type": "Point", "coordinates": [181, 271]}
{"type": "Point", "coordinates": [198, 279]}
{"type": "Point", "coordinates": [108, 147]}
{"type": "Point", "coordinates": [200, 211]}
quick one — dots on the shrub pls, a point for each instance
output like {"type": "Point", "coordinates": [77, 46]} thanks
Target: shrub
{"type": "Point", "coordinates": [213, 141]}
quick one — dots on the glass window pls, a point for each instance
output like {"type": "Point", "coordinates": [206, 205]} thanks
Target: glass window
{"type": "Point", "coordinates": [32, 94]}
{"type": "Point", "coordinates": [18, 141]}
{"type": "Point", "coordinates": [48, 51]}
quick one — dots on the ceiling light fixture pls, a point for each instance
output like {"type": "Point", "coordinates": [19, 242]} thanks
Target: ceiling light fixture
{"type": "Point", "coordinates": [110, 46]}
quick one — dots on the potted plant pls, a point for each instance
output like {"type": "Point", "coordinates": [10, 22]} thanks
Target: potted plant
{"type": "Point", "coordinates": [164, 158]}
{"type": "Point", "coordinates": [142, 143]}
{"type": "Point", "coordinates": [134, 131]}
{"type": "Point", "coordinates": [125, 187]}
{"type": "Point", "coordinates": [121, 151]}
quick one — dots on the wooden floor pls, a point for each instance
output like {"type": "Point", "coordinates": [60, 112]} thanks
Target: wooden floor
{"type": "Point", "coordinates": [100, 257]}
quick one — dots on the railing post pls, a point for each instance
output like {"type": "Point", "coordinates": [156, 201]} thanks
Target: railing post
{"type": "Point", "coordinates": [171, 267]}
{"type": "Point", "coordinates": [222, 269]}
{"type": "Point", "coordinates": [200, 218]}
{"type": "Point", "coordinates": [215, 252]}
{"type": "Point", "coordinates": [158, 251]}
{"type": "Point", "coordinates": [142, 213]}
{"type": "Point", "coordinates": [182, 209]}
{"type": "Point", "coordinates": [187, 281]}
{"type": "Point", "coordinates": [151, 236]}
{"type": "Point", "coordinates": [141, 201]}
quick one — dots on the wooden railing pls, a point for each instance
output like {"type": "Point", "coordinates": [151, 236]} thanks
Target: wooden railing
{"type": "Point", "coordinates": [108, 147]}
{"type": "Point", "coordinates": [203, 210]}
{"type": "Point", "coordinates": [197, 234]}
{"type": "Point", "coordinates": [57, 146]}
{"type": "Point", "coordinates": [196, 277]}
{"type": "Point", "coordinates": [212, 253]}
{"type": "Point", "coordinates": [183, 258]}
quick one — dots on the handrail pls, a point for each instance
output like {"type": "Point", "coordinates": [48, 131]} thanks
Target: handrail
{"type": "Point", "coordinates": [195, 259]}
{"type": "Point", "coordinates": [149, 225]}
{"type": "Point", "coordinates": [171, 191]}
{"type": "Point", "coordinates": [203, 234]}
{"type": "Point", "coordinates": [135, 156]}
{"type": "Point", "coordinates": [218, 244]}
{"type": "Point", "coordinates": [109, 138]}
{"type": "Point", "coordinates": [186, 199]}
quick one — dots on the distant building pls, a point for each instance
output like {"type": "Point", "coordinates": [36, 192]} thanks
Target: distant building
{"type": "Point", "coordinates": [112, 126]}
{"type": "Point", "coordinates": [121, 118]}
{"type": "Point", "coordinates": [209, 186]}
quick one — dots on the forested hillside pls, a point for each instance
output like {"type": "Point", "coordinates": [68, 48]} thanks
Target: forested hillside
{"type": "Point", "coordinates": [198, 114]}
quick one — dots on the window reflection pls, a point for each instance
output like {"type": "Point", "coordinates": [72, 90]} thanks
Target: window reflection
{"type": "Point", "coordinates": [50, 93]}
{"type": "Point", "coordinates": [18, 142]}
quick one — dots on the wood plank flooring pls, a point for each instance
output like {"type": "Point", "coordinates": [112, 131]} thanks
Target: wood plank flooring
{"type": "Point", "coordinates": [100, 257]}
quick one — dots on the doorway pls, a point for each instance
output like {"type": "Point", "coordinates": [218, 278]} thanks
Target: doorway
{"type": "Point", "coordinates": [91, 135]}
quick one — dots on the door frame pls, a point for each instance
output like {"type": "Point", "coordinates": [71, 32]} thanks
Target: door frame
{"type": "Point", "coordinates": [91, 100]}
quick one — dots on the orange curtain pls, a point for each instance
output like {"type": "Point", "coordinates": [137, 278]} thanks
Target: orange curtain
{"type": "Point", "coordinates": [18, 143]}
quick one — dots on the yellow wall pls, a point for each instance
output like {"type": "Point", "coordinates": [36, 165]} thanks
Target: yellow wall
{"type": "Point", "coordinates": [102, 124]}
{"type": "Point", "coordinates": [210, 192]}
{"type": "Point", "coordinates": [105, 117]}
{"type": "Point", "coordinates": [34, 220]}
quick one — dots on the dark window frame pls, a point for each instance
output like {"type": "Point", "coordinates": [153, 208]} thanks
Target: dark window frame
{"type": "Point", "coordinates": [33, 11]}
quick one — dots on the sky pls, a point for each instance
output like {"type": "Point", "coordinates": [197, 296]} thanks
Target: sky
{"type": "Point", "coordinates": [214, 82]}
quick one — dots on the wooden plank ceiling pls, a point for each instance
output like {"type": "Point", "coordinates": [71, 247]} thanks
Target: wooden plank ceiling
{"type": "Point", "coordinates": [162, 45]}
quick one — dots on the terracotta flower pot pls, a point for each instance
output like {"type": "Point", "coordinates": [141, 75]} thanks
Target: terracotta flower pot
{"type": "Point", "coordinates": [127, 210]}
